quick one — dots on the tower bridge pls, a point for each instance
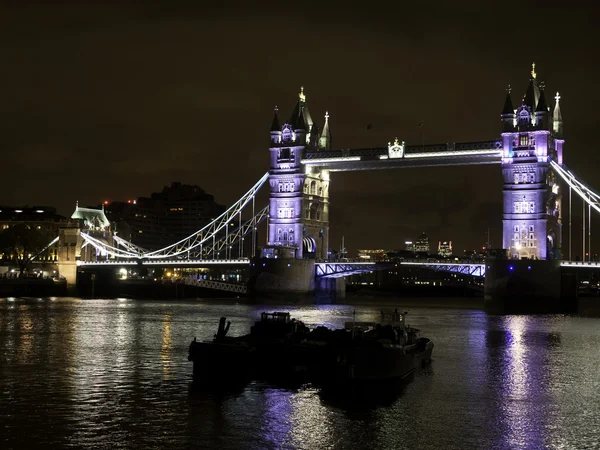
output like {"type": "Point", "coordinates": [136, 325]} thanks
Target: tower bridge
{"type": "Point", "coordinates": [529, 151]}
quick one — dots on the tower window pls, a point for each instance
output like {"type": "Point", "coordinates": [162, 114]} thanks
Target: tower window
{"type": "Point", "coordinates": [285, 213]}
{"type": "Point", "coordinates": [516, 177]}
{"type": "Point", "coordinates": [286, 187]}
{"type": "Point", "coordinates": [523, 140]}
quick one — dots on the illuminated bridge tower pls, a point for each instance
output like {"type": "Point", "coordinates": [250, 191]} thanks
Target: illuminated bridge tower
{"type": "Point", "coordinates": [531, 135]}
{"type": "Point", "coordinates": [299, 198]}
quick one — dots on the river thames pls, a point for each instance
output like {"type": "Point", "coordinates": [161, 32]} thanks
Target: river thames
{"type": "Point", "coordinates": [106, 374]}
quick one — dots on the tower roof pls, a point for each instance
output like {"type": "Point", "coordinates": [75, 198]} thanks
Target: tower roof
{"type": "Point", "coordinates": [299, 124]}
{"type": "Point", "coordinates": [542, 106]}
{"type": "Point", "coordinates": [301, 110]}
{"type": "Point", "coordinates": [508, 105]}
{"type": "Point", "coordinates": [275, 126]}
{"type": "Point", "coordinates": [91, 217]}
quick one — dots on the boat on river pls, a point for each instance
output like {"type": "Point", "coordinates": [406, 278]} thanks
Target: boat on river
{"type": "Point", "coordinates": [278, 344]}
{"type": "Point", "coordinates": [266, 347]}
{"type": "Point", "coordinates": [371, 352]}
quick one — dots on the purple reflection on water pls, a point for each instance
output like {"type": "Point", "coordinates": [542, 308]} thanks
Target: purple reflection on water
{"type": "Point", "coordinates": [524, 376]}
{"type": "Point", "coordinates": [277, 416]}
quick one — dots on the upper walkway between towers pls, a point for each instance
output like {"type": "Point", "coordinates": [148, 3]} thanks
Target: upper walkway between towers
{"type": "Point", "coordinates": [398, 155]}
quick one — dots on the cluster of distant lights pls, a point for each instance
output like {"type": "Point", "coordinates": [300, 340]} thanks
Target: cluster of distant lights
{"type": "Point", "coordinates": [106, 202]}
{"type": "Point", "coordinates": [20, 211]}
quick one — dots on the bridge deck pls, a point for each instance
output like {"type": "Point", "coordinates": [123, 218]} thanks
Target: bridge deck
{"type": "Point", "coordinates": [166, 262]}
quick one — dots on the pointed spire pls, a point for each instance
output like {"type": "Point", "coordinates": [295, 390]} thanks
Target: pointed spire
{"type": "Point", "coordinates": [542, 106]}
{"type": "Point", "coordinates": [301, 110]}
{"type": "Point", "coordinates": [300, 124]}
{"type": "Point", "coordinates": [557, 113]}
{"type": "Point", "coordinates": [77, 201]}
{"type": "Point", "coordinates": [508, 105]}
{"type": "Point", "coordinates": [557, 119]}
{"type": "Point", "coordinates": [275, 126]}
{"type": "Point", "coordinates": [529, 99]}
{"type": "Point", "coordinates": [325, 139]}
{"type": "Point", "coordinates": [533, 92]}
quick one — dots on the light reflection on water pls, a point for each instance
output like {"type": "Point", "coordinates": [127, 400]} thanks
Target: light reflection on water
{"type": "Point", "coordinates": [114, 373]}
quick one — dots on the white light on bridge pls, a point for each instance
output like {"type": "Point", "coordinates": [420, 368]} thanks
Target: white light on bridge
{"type": "Point", "coordinates": [330, 160]}
{"type": "Point", "coordinates": [457, 153]}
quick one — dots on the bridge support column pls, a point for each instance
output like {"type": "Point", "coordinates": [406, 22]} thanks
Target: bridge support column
{"type": "Point", "coordinates": [333, 287]}
{"type": "Point", "coordinates": [523, 287]}
{"type": "Point", "coordinates": [69, 248]}
{"type": "Point", "coordinates": [273, 276]}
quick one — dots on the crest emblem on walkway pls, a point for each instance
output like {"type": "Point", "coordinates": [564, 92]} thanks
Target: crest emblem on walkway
{"type": "Point", "coordinates": [396, 150]}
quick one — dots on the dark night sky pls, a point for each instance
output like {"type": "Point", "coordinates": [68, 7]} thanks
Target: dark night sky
{"type": "Point", "coordinates": [113, 102]}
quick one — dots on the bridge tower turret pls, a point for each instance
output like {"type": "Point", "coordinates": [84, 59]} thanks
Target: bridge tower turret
{"type": "Point", "coordinates": [275, 129]}
{"type": "Point", "coordinates": [286, 178]}
{"type": "Point", "coordinates": [298, 205]}
{"type": "Point", "coordinates": [508, 114]}
{"type": "Point", "coordinates": [532, 201]}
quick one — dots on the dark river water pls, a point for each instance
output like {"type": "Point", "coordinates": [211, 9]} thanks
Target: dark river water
{"type": "Point", "coordinates": [107, 374]}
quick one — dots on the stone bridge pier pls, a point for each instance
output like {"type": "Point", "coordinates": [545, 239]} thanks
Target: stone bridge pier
{"type": "Point", "coordinates": [69, 252]}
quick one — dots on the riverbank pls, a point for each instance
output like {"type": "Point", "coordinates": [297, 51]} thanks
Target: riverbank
{"type": "Point", "coordinates": [32, 287]}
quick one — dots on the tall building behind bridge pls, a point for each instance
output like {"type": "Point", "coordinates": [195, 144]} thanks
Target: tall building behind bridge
{"type": "Point", "coordinates": [44, 219]}
{"type": "Point", "coordinates": [422, 244]}
{"type": "Point", "coordinates": [444, 249]}
{"type": "Point", "coordinates": [164, 217]}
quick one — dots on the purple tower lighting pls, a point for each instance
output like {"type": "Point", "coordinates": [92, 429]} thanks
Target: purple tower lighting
{"type": "Point", "coordinates": [299, 200]}
{"type": "Point", "coordinates": [531, 136]}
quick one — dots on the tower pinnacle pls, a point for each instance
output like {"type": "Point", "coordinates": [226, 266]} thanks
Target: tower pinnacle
{"type": "Point", "coordinates": [557, 120]}
{"type": "Point", "coordinates": [508, 106]}
{"type": "Point", "coordinates": [533, 74]}
{"type": "Point", "coordinates": [301, 95]}
{"type": "Point", "coordinates": [325, 139]}
{"type": "Point", "coordinates": [275, 126]}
